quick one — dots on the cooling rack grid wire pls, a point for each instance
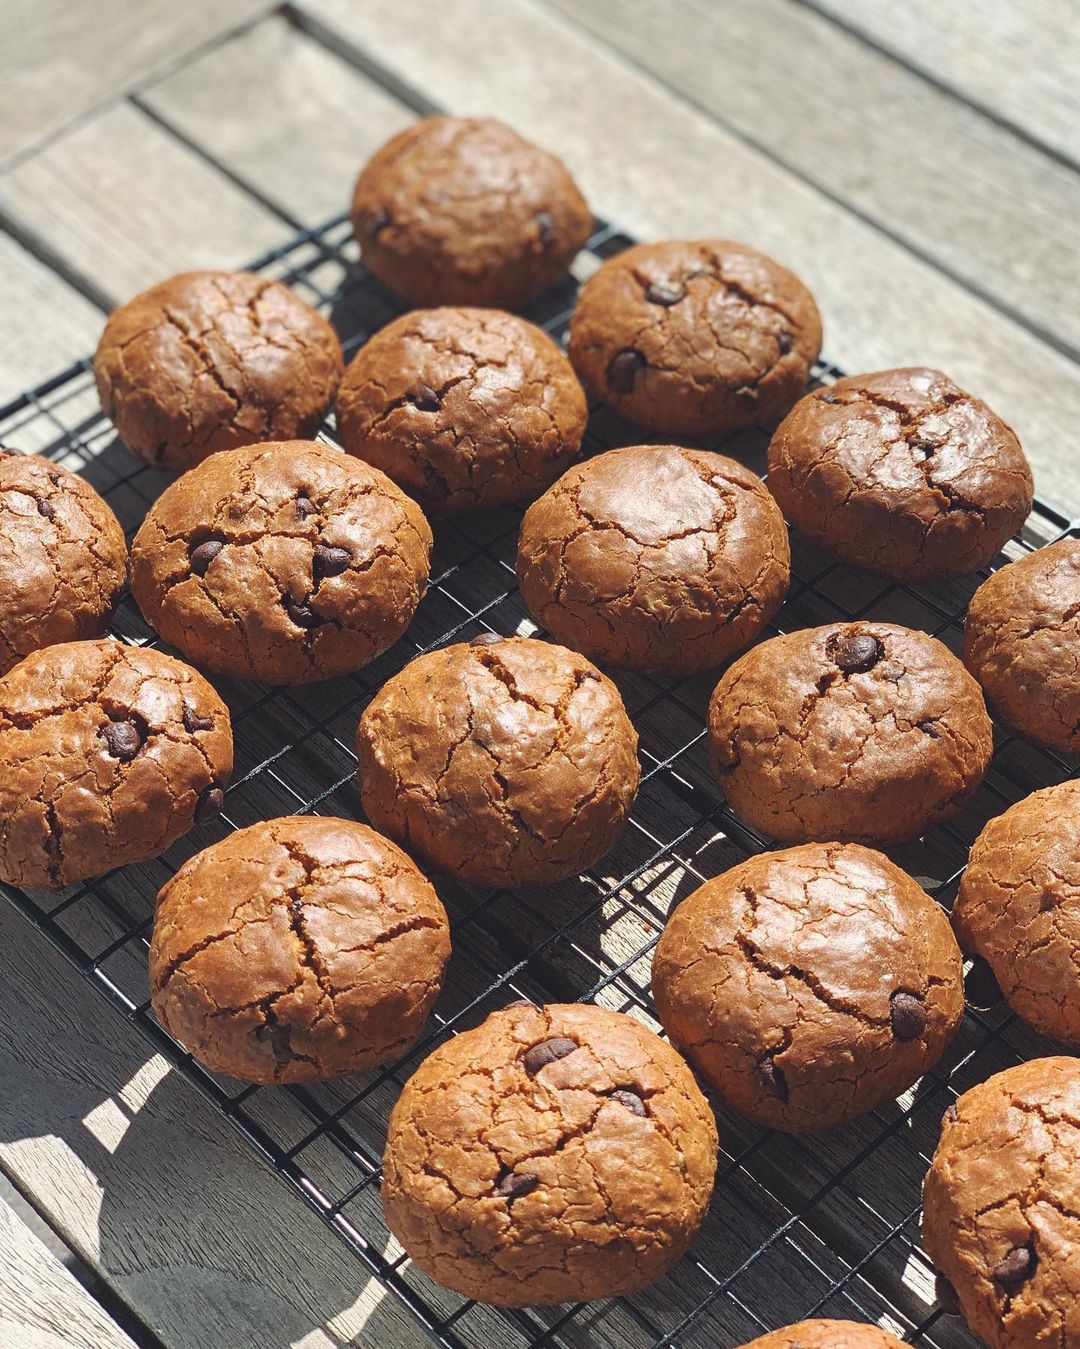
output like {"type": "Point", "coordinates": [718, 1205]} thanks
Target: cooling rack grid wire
{"type": "Point", "coordinates": [798, 1227]}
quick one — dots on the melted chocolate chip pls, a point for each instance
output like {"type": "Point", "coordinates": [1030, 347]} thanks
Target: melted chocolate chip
{"type": "Point", "coordinates": [300, 612]}
{"type": "Point", "coordinates": [945, 1295]}
{"type": "Point", "coordinates": [547, 1051]}
{"type": "Point", "coordinates": [929, 728]}
{"type": "Point", "coordinates": [785, 341]}
{"type": "Point", "coordinates": [773, 1077]}
{"type": "Point", "coordinates": [280, 1038]}
{"type": "Point", "coordinates": [628, 1097]}
{"type": "Point", "coordinates": [545, 227]}
{"type": "Point", "coordinates": [520, 1002]}
{"type": "Point", "coordinates": [516, 1184]}
{"type": "Point", "coordinates": [825, 397]}
{"type": "Point", "coordinates": [123, 738]}
{"type": "Point", "coordinates": [45, 508]}
{"type": "Point", "coordinates": [952, 1114]}
{"type": "Point", "coordinates": [327, 561]}
{"type": "Point", "coordinates": [924, 447]}
{"type": "Point", "coordinates": [981, 988]}
{"type": "Point", "coordinates": [624, 369]}
{"type": "Point", "coordinates": [203, 554]}
{"type": "Point", "coordinates": [305, 507]}
{"type": "Point", "coordinates": [379, 222]}
{"type": "Point", "coordinates": [426, 399]}
{"type": "Point", "coordinates": [486, 639]}
{"type": "Point", "coordinates": [194, 722]}
{"type": "Point", "coordinates": [1014, 1271]}
{"type": "Point", "coordinates": [907, 1013]}
{"type": "Point", "coordinates": [854, 652]}
{"type": "Point", "coordinates": [1047, 901]}
{"type": "Point", "coordinates": [8, 449]}
{"type": "Point", "coordinates": [209, 804]}
{"type": "Point", "coordinates": [665, 292]}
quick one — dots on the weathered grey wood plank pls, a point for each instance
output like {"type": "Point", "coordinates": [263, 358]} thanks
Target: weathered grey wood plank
{"type": "Point", "coordinates": [657, 167]}
{"type": "Point", "coordinates": [59, 59]}
{"type": "Point", "coordinates": [284, 114]}
{"type": "Point", "coordinates": [1019, 61]}
{"type": "Point", "coordinates": [960, 190]}
{"type": "Point", "coordinates": [122, 204]}
{"type": "Point", "coordinates": [41, 1305]}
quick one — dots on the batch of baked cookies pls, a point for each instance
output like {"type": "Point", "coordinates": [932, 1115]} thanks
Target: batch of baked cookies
{"type": "Point", "coordinates": [566, 1152]}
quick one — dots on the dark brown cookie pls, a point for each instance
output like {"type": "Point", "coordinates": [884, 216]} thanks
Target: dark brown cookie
{"type": "Point", "coordinates": [208, 361]}
{"type": "Point", "coordinates": [463, 408]}
{"type": "Point", "coordinates": [463, 210]}
{"type": "Point", "coordinates": [505, 763]}
{"type": "Point", "coordinates": [810, 985]}
{"type": "Point", "coordinates": [1001, 1206]}
{"type": "Point", "coordinates": [1021, 637]}
{"type": "Point", "coordinates": [695, 339]}
{"type": "Point", "coordinates": [655, 557]}
{"type": "Point", "coordinates": [1018, 908]}
{"type": "Point", "coordinates": [901, 473]}
{"type": "Point", "coordinates": [297, 949]}
{"type": "Point", "coordinates": [63, 559]}
{"type": "Point", "coordinates": [827, 1335]}
{"type": "Point", "coordinates": [863, 731]}
{"type": "Point", "coordinates": [108, 754]}
{"type": "Point", "coordinates": [571, 1146]}
{"type": "Point", "coordinates": [285, 562]}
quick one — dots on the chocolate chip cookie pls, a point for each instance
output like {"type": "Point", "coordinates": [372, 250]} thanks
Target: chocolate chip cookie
{"type": "Point", "coordinates": [553, 1154]}
{"type": "Point", "coordinates": [695, 339]}
{"type": "Point", "coordinates": [862, 731]}
{"type": "Point", "coordinates": [284, 562]}
{"type": "Point", "coordinates": [463, 210]}
{"type": "Point", "coordinates": [297, 949]}
{"type": "Point", "coordinates": [810, 985]}
{"type": "Point", "coordinates": [1018, 908]}
{"type": "Point", "coordinates": [1020, 641]}
{"type": "Point", "coordinates": [656, 558]}
{"type": "Point", "coordinates": [505, 762]}
{"type": "Point", "coordinates": [108, 754]}
{"type": "Point", "coordinates": [1001, 1205]}
{"type": "Point", "coordinates": [901, 473]}
{"type": "Point", "coordinates": [208, 361]}
{"type": "Point", "coordinates": [827, 1335]}
{"type": "Point", "coordinates": [63, 559]}
{"type": "Point", "coordinates": [463, 408]}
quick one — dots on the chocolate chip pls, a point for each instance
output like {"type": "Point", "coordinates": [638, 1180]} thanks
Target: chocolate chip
{"type": "Point", "coordinates": [825, 397]}
{"type": "Point", "coordinates": [379, 222]}
{"type": "Point", "coordinates": [45, 508]}
{"type": "Point", "coordinates": [1014, 1271]}
{"type": "Point", "coordinates": [907, 1013]}
{"type": "Point", "coordinates": [854, 652]}
{"type": "Point", "coordinates": [624, 369]}
{"type": "Point", "coordinates": [981, 988]}
{"type": "Point", "coordinates": [8, 449]}
{"type": "Point", "coordinates": [1047, 900]}
{"type": "Point", "coordinates": [123, 738]}
{"type": "Point", "coordinates": [547, 1051]}
{"type": "Point", "coordinates": [924, 447]}
{"type": "Point", "coordinates": [305, 507]}
{"type": "Point", "coordinates": [194, 722]}
{"type": "Point", "coordinates": [945, 1295]}
{"type": "Point", "coordinates": [929, 728]}
{"type": "Point", "coordinates": [784, 341]}
{"type": "Point", "coordinates": [203, 554]}
{"type": "Point", "coordinates": [486, 639]}
{"type": "Point", "coordinates": [545, 226]}
{"type": "Point", "coordinates": [300, 612]}
{"type": "Point", "coordinates": [426, 399]}
{"type": "Point", "coordinates": [520, 1002]}
{"type": "Point", "coordinates": [952, 1114]}
{"type": "Point", "coordinates": [209, 804]}
{"type": "Point", "coordinates": [773, 1077]}
{"type": "Point", "coordinates": [664, 292]}
{"type": "Point", "coordinates": [516, 1184]}
{"type": "Point", "coordinates": [626, 1096]}
{"type": "Point", "coordinates": [327, 561]}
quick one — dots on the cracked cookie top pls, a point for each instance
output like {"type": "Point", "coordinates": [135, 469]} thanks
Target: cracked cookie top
{"type": "Point", "coordinates": [284, 562]}
{"type": "Point", "coordinates": [827, 1335]}
{"type": "Point", "coordinates": [553, 1154]}
{"type": "Point", "coordinates": [695, 339]}
{"type": "Point", "coordinates": [208, 361]}
{"type": "Point", "coordinates": [501, 762]}
{"type": "Point", "coordinates": [1001, 1205]}
{"type": "Point", "coordinates": [63, 559]}
{"type": "Point", "coordinates": [109, 754]}
{"type": "Point", "coordinates": [863, 731]}
{"type": "Point", "coordinates": [297, 949]}
{"type": "Point", "coordinates": [1018, 907]}
{"type": "Point", "coordinates": [1022, 643]}
{"type": "Point", "coordinates": [810, 985]}
{"type": "Point", "coordinates": [463, 210]}
{"type": "Point", "coordinates": [655, 557]}
{"type": "Point", "coordinates": [901, 473]}
{"type": "Point", "coordinates": [463, 408]}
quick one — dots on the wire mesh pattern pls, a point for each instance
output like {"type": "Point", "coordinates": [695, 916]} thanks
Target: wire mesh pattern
{"type": "Point", "coordinates": [797, 1227]}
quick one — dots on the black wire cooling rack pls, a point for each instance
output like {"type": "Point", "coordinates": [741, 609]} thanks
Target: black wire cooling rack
{"type": "Point", "coordinates": [798, 1227]}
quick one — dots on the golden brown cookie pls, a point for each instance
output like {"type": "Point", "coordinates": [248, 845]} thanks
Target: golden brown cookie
{"type": "Point", "coordinates": [501, 762]}
{"type": "Point", "coordinates": [695, 339]}
{"type": "Point", "coordinates": [901, 473]}
{"type": "Point", "coordinates": [297, 949]}
{"type": "Point", "coordinates": [63, 559]}
{"type": "Point", "coordinates": [810, 985]}
{"type": "Point", "coordinates": [1021, 636]}
{"type": "Point", "coordinates": [1001, 1206]}
{"type": "Point", "coordinates": [827, 1335]}
{"type": "Point", "coordinates": [463, 210]}
{"type": "Point", "coordinates": [553, 1154]}
{"type": "Point", "coordinates": [864, 731]}
{"type": "Point", "coordinates": [285, 562]}
{"type": "Point", "coordinates": [1018, 908]}
{"type": "Point", "coordinates": [463, 408]}
{"type": "Point", "coordinates": [208, 361]}
{"type": "Point", "coordinates": [657, 558]}
{"type": "Point", "coordinates": [109, 753]}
